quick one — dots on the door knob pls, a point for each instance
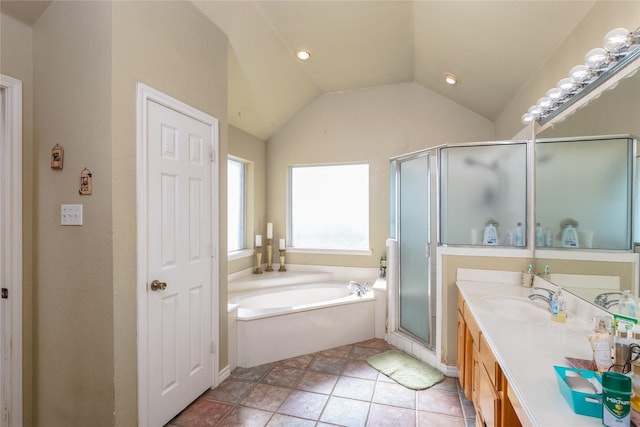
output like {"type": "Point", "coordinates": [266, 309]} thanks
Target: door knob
{"type": "Point", "coordinates": [157, 285]}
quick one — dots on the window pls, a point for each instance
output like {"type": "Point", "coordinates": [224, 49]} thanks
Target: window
{"type": "Point", "coordinates": [236, 211]}
{"type": "Point", "coordinates": [330, 207]}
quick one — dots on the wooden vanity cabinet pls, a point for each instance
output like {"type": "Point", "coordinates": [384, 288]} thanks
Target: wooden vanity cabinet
{"type": "Point", "coordinates": [481, 376]}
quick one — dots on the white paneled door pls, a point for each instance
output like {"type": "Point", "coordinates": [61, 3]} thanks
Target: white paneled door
{"type": "Point", "coordinates": [10, 251]}
{"type": "Point", "coordinates": [180, 260]}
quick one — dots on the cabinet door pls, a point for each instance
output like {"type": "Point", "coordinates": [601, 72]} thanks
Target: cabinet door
{"type": "Point", "coordinates": [470, 358]}
{"type": "Point", "coordinates": [488, 399]}
{"type": "Point", "coordinates": [460, 342]}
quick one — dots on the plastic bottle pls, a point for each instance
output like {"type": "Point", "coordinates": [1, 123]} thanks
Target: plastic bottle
{"type": "Point", "coordinates": [621, 350]}
{"type": "Point", "coordinates": [570, 237]}
{"type": "Point", "coordinates": [558, 307]}
{"type": "Point", "coordinates": [548, 238]}
{"type": "Point", "coordinates": [601, 342]}
{"type": "Point", "coordinates": [490, 235]}
{"type": "Point", "coordinates": [519, 235]}
{"type": "Point", "coordinates": [628, 304]}
{"type": "Point", "coordinates": [539, 235]}
{"type": "Point", "coordinates": [508, 239]}
{"type": "Point", "coordinates": [616, 400]}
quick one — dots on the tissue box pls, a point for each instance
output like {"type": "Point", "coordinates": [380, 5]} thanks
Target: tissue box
{"type": "Point", "coordinates": [589, 404]}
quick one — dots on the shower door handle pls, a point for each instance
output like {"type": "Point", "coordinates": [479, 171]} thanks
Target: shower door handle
{"type": "Point", "coordinates": [157, 285]}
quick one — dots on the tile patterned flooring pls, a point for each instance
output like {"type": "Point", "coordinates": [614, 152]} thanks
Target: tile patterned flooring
{"type": "Point", "coordinates": [334, 387]}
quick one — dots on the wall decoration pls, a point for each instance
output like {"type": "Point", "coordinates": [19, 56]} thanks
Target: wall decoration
{"type": "Point", "coordinates": [57, 156]}
{"type": "Point", "coordinates": [85, 182]}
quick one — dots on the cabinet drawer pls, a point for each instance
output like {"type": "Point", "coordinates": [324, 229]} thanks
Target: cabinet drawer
{"type": "Point", "coordinates": [472, 326]}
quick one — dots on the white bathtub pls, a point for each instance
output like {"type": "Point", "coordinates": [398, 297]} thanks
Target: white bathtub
{"type": "Point", "coordinates": [277, 323]}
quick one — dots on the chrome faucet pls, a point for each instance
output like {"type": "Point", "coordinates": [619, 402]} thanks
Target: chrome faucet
{"type": "Point", "coordinates": [603, 300]}
{"type": "Point", "coordinates": [545, 298]}
{"type": "Point", "coordinates": [358, 288]}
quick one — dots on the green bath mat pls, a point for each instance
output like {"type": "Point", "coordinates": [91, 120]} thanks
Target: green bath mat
{"type": "Point", "coordinates": [406, 370]}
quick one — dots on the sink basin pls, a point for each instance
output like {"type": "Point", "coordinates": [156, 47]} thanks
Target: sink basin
{"type": "Point", "coordinates": [516, 308]}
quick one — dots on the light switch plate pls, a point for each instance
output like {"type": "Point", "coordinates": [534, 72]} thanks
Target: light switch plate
{"type": "Point", "coordinates": [70, 214]}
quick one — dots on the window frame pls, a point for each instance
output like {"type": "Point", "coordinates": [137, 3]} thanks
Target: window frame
{"type": "Point", "coordinates": [335, 251]}
{"type": "Point", "coordinates": [245, 250]}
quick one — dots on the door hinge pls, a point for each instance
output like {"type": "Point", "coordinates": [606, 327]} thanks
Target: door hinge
{"type": "Point", "coordinates": [212, 155]}
{"type": "Point", "coordinates": [5, 293]}
{"type": "Point", "coordinates": [213, 347]}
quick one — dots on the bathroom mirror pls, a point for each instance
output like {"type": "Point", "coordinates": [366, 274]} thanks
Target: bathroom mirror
{"type": "Point", "coordinates": [610, 110]}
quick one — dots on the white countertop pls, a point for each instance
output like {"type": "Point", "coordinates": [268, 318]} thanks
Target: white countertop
{"type": "Point", "coordinates": [527, 352]}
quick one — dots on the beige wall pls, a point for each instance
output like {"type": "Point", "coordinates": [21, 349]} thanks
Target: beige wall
{"type": "Point", "coordinates": [79, 64]}
{"type": "Point", "coordinates": [171, 47]}
{"type": "Point", "coordinates": [372, 125]}
{"type": "Point", "coordinates": [249, 148]}
{"type": "Point", "coordinates": [450, 265]}
{"type": "Point", "coordinates": [16, 60]}
{"type": "Point", "coordinates": [73, 300]}
{"type": "Point", "coordinates": [605, 16]}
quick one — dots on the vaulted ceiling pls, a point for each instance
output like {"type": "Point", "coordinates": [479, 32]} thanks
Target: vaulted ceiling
{"type": "Point", "coordinates": [494, 47]}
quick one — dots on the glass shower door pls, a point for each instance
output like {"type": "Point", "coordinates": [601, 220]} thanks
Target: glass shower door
{"type": "Point", "coordinates": [413, 224]}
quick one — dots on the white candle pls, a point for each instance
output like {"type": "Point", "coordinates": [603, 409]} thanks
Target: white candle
{"type": "Point", "coordinates": [258, 240]}
{"type": "Point", "coordinates": [269, 230]}
{"type": "Point", "coordinates": [282, 245]}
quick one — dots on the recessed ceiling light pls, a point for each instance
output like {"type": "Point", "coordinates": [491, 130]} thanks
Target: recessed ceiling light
{"type": "Point", "coordinates": [303, 54]}
{"type": "Point", "coordinates": [451, 79]}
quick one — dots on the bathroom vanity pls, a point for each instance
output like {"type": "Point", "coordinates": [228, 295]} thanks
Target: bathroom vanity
{"type": "Point", "coordinates": [508, 346]}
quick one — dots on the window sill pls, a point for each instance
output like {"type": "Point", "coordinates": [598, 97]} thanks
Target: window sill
{"type": "Point", "coordinates": [366, 252]}
{"type": "Point", "coordinates": [243, 253]}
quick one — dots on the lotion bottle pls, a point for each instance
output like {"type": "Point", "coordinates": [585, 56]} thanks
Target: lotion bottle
{"type": "Point", "coordinates": [490, 235]}
{"type": "Point", "coordinates": [601, 342]}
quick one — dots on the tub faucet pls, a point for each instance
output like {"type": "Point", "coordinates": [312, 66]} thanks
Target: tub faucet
{"type": "Point", "coordinates": [545, 298]}
{"type": "Point", "coordinates": [358, 288]}
{"type": "Point", "coordinates": [603, 300]}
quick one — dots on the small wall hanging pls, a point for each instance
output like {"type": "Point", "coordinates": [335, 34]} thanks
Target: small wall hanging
{"type": "Point", "coordinates": [85, 182]}
{"type": "Point", "coordinates": [57, 156]}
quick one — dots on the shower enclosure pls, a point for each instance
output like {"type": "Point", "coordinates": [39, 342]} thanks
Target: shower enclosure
{"type": "Point", "coordinates": [412, 181]}
{"type": "Point", "coordinates": [445, 196]}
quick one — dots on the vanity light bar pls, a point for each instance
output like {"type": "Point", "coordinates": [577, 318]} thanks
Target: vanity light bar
{"type": "Point", "coordinates": [620, 47]}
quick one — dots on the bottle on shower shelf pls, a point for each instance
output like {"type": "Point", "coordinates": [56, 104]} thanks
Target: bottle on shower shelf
{"type": "Point", "coordinates": [519, 235]}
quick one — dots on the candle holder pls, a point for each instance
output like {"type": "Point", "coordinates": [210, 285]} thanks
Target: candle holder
{"type": "Point", "coordinates": [282, 260]}
{"type": "Point", "coordinates": [269, 255]}
{"type": "Point", "coordinates": [258, 270]}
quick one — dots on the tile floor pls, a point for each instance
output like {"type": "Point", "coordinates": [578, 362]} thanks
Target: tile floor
{"type": "Point", "coordinates": [334, 387]}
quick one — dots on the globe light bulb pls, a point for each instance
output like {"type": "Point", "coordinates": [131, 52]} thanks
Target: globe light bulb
{"type": "Point", "coordinates": [545, 103]}
{"type": "Point", "coordinates": [567, 85]}
{"type": "Point", "coordinates": [617, 39]}
{"type": "Point", "coordinates": [527, 118]}
{"type": "Point", "coordinates": [579, 73]}
{"type": "Point", "coordinates": [536, 111]}
{"type": "Point", "coordinates": [556, 94]}
{"type": "Point", "coordinates": [596, 58]}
